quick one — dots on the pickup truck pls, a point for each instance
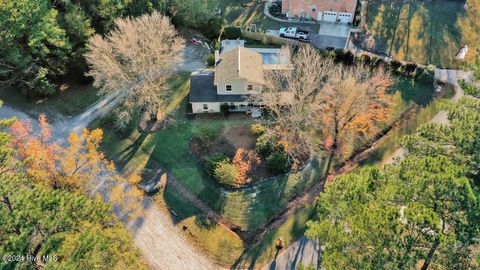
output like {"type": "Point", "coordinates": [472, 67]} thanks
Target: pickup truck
{"type": "Point", "coordinates": [293, 32]}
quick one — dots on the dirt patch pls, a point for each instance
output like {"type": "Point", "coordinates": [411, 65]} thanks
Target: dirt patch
{"type": "Point", "coordinates": [368, 42]}
{"type": "Point", "coordinates": [240, 137]}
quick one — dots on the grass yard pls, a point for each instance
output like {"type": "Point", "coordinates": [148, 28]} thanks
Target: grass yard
{"type": "Point", "coordinates": [428, 106]}
{"type": "Point", "coordinates": [72, 100]}
{"type": "Point", "coordinates": [427, 32]}
{"type": "Point", "coordinates": [249, 208]}
{"type": "Point", "coordinates": [218, 242]}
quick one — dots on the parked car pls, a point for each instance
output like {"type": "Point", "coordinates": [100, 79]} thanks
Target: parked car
{"type": "Point", "coordinates": [293, 32]}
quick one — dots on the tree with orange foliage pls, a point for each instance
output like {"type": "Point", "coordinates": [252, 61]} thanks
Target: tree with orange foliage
{"type": "Point", "coordinates": [244, 160]}
{"type": "Point", "coordinates": [77, 166]}
{"type": "Point", "coordinates": [352, 102]}
{"type": "Point", "coordinates": [290, 97]}
{"type": "Point", "coordinates": [318, 96]}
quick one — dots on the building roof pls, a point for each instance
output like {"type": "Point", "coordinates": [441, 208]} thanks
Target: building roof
{"type": "Point", "coordinates": [239, 63]}
{"type": "Point", "coordinates": [202, 89]}
{"type": "Point", "coordinates": [322, 5]}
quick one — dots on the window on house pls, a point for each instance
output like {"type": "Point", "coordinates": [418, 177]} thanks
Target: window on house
{"type": "Point", "coordinates": [228, 88]}
{"type": "Point", "coordinates": [314, 8]}
{"type": "Point", "coordinates": [205, 107]}
{"type": "Point", "coordinates": [249, 87]}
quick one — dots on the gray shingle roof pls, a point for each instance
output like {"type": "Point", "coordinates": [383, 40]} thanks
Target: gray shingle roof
{"type": "Point", "coordinates": [202, 89]}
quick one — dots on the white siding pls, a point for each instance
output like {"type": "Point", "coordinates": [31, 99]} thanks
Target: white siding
{"type": "Point", "coordinates": [197, 107]}
{"type": "Point", "coordinates": [319, 16]}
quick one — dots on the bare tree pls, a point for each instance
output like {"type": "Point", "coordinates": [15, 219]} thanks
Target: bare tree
{"type": "Point", "coordinates": [317, 102]}
{"type": "Point", "coordinates": [290, 96]}
{"type": "Point", "coordinates": [136, 57]}
{"type": "Point", "coordinates": [352, 102]}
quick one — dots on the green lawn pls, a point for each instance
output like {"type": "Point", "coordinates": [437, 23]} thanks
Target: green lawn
{"type": "Point", "coordinates": [218, 242]}
{"type": "Point", "coordinates": [249, 208]}
{"type": "Point", "coordinates": [427, 32]}
{"type": "Point", "coordinates": [72, 100]}
{"type": "Point", "coordinates": [420, 93]}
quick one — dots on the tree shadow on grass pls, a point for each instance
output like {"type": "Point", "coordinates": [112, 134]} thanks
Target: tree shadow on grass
{"type": "Point", "coordinates": [425, 32]}
{"type": "Point", "coordinates": [129, 152]}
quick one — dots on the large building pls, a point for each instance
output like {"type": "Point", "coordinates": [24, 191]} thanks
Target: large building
{"type": "Point", "coordinates": [238, 73]}
{"type": "Point", "coordinates": [321, 10]}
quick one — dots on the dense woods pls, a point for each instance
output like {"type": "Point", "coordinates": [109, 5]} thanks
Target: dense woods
{"type": "Point", "coordinates": [41, 41]}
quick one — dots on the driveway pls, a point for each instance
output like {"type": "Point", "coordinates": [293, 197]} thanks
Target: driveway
{"type": "Point", "coordinates": [334, 29]}
{"type": "Point", "coordinates": [323, 42]}
{"type": "Point", "coordinates": [304, 251]}
{"type": "Point", "coordinates": [194, 57]}
{"type": "Point", "coordinates": [333, 35]}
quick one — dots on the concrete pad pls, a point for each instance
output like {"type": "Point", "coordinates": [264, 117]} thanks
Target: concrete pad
{"type": "Point", "coordinates": [334, 29]}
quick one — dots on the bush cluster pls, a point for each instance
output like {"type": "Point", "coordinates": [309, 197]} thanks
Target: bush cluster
{"type": "Point", "coordinates": [277, 162]}
{"type": "Point", "coordinates": [211, 60]}
{"type": "Point", "coordinates": [226, 173]}
{"type": "Point", "coordinates": [407, 69]}
{"type": "Point", "coordinates": [257, 129]}
{"type": "Point", "coordinates": [212, 161]}
{"type": "Point", "coordinates": [272, 150]}
{"type": "Point", "coordinates": [232, 32]}
{"type": "Point", "coordinates": [267, 144]}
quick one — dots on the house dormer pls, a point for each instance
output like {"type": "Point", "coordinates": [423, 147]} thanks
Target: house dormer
{"type": "Point", "coordinates": [239, 72]}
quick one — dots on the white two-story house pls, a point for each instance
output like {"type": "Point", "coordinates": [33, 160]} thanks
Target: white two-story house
{"type": "Point", "coordinates": [238, 73]}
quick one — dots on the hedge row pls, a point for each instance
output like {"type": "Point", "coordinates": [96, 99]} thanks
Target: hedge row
{"type": "Point", "coordinates": [402, 68]}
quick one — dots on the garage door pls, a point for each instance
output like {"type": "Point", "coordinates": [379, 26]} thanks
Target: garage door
{"type": "Point", "coordinates": [345, 17]}
{"type": "Point", "coordinates": [329, 16]}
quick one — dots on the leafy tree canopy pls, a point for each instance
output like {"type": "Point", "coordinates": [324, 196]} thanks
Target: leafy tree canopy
{"type": "Point", "coordinates": [75, 231]}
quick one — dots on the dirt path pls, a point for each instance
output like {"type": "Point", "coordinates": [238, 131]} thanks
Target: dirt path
{"type": "Point", "coordinates": [162, 244]}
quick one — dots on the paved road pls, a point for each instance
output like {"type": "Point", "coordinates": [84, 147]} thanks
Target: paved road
{"type": "Point", "coordinates": [162, 244]}
{"type": "Point", "coordinates": [304, 251]}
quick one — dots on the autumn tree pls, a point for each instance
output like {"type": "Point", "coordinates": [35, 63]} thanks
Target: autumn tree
{"type": "Point", "coordinates": [317, 96]}
{"type": "Point", "coordinates": [352, 102]}
{"type": "Point", "coordinates": [136, 58]}
{"type": "Point", "coordinates": [78, 166]}
{"type": "Point", "coordinates": [38, 220]}
{"type": "Point", "coordinates": [290, 97]}
{"type": "Point", "coordinates": [401, 217]}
